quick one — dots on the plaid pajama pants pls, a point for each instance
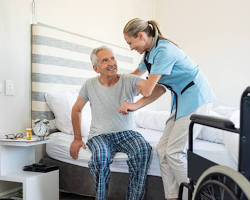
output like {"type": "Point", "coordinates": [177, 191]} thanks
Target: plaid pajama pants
{"type": "Point", "coordinates": [105, 146]}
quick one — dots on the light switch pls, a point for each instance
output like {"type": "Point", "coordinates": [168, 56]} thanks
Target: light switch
{"type": "Point", "coordinates": [9, 88]}
{"type": "Point", "coordinates": [1, 87]}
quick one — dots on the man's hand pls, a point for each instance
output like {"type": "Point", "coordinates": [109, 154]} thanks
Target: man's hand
{"type": "Point", "coordinates": [75, 148]}
{"type": "Point", "coordinates": [127, 107]}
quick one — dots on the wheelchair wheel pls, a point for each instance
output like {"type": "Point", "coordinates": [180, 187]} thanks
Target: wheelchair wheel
{"type": "Point", "coordinates": [222, 183]}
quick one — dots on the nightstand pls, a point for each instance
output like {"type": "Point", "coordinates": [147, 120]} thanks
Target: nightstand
{"type": "Point", "coordinates": [36, 186]}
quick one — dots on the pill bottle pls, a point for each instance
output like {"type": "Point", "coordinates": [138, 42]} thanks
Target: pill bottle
{"type": "Point", "coordinates": [28, 133]}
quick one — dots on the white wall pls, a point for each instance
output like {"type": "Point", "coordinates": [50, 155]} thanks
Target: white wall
{"type": "Point", "coordinates": [14, 65]}
{"type": "Point", "coordinates": [103, 20]}
{"type": "Point", "coordinates": [215, 34]}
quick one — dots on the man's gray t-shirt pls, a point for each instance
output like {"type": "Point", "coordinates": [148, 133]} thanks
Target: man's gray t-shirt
{"type": "Point", "coordinates": [105, 103]}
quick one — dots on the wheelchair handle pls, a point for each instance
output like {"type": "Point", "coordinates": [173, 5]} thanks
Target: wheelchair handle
{"type": "Point", "coordinates": [246, 92]}
{"type": "Point", "coordinates": [215, 122]}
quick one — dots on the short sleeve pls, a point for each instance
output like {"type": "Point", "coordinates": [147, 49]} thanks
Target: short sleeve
{"type": "Point", "coordinates": [133, 81]}
{"type": "Point", "coordinates": [84, 92]}
{"type": "Point", "coordinates": [136, 80]}
{"type": "Point", "coordinates": [164, 61]}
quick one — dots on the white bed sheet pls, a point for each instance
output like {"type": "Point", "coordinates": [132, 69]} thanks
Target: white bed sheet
{"type": "Point", "coordinates": [60, 143]}
{"type": "Point", "coordinates": [217, 153]}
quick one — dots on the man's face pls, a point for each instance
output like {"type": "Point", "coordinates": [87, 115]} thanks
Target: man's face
{"type": "Point", "coordinates": [106, 64]}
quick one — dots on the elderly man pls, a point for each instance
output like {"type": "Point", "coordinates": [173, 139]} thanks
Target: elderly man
{"type": "Point", "coordinates": [112, 131]}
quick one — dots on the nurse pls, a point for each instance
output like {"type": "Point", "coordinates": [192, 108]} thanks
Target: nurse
{"type": "Point", "coordinates": [191, 93]}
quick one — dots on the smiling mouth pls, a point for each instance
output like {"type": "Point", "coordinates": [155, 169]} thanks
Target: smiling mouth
{"type": "Point", "coordinates": [138, 50]}
{"type": "Point", "coordinates": [111, 68]}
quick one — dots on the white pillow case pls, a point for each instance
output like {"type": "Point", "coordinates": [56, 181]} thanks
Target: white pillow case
{"type": "Point", "coordinates": [156, 120]}
{"type": "Point", "coordinates": [217, 135]}
{"type": "Point", "coordinates": [151, 119]}
{"type": "Point", "coordinates": [61, 104]}
{"type": "Point", "coordinates": [212, 134]}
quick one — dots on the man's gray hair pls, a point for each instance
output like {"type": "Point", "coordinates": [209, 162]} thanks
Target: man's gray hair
{"type": "Point", "coordinates": [93, 55]}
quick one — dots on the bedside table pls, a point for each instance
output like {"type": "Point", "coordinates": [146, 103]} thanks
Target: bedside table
{"type": "Point", "coordinates": [36, 186]}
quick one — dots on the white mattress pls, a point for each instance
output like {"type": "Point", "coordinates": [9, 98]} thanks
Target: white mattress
{"type": "Point", "coordinates": [59, 147]}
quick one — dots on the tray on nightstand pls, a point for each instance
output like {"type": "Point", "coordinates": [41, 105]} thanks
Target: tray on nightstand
{"type": "Point", "coordinates": [38, 167]}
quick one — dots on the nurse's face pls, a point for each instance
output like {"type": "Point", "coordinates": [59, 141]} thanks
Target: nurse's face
{"type": "Point", "coordinates": [136, 43]}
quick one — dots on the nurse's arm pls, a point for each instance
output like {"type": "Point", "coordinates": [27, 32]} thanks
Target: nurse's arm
{"type": "Point", "coordinates": [138, 72]}
{"type": "Point", "coordinates": [127, 107]}
{"type": "Point", "coordinates": [157, 92]}
{"type": "Point", "coordinates": [146, 87]}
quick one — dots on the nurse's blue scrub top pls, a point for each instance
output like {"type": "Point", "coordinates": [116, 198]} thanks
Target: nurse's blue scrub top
{"type": "Point", "coordinates": [189, 87]}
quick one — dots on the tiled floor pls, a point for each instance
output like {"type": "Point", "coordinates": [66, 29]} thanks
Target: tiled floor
{"type": "Point", "coordinates": [67, 196]}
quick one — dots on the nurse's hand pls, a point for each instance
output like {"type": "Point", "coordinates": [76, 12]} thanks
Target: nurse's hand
{"type": "Point", "coordinates": [127, 107]}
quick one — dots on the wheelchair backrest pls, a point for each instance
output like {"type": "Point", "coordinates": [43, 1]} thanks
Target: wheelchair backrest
{"type": "Point", "coordinates": [244, 147]}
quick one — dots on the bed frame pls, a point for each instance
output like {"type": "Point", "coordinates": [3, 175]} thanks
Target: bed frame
{"type": "Point", "coordinates": [60, 61]}
{"type": "Point", "coordinates": [78, 180]}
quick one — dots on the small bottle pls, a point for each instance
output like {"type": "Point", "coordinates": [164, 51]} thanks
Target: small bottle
{"type": "Point", "coordinates": [28, 133]}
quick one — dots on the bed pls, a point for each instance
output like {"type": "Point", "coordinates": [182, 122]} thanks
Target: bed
{"type": "Point", "coordinates": [74, 174]}
{"type": "Point", "coordinates": [60, 65]}
{"type": "Point", "coordinates": [71, 181]}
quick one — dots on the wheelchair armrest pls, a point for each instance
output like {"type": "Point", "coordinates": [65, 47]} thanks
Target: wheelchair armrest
{"type": "Point", "coordinates": [214, 122]}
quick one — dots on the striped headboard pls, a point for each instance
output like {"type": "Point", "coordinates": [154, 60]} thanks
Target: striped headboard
{"type": "Point", "coordinates": [60, 62]}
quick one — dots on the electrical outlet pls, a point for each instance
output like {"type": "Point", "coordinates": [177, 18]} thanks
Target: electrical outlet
{"type": "Point", "coordinates": [9, 88]}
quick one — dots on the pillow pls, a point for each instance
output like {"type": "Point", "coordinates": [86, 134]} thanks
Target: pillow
{"type": "Point", "coordinates": [217, 135]}
{"type": "Point", "coordinates": [225, 111]}
{"type": "Point", "coordinates": [235, 118]}
{"type": "Point", "coordinates": [151, 119]}
{"type": "Point", "coordinates": [61, 104]}
{"type": "Point", "coordinates": [86, 120]}
{"type": "Point", "coordinates": [212, 134]}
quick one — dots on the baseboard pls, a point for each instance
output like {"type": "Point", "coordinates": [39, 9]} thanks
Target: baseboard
{"type": "Point", "coordinates": [8, 192]}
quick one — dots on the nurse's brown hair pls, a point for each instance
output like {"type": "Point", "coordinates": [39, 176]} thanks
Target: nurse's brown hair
{"type": "Point", "coordinates": [151, 28]}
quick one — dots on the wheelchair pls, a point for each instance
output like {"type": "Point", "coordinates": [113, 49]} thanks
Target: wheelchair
{"type": "Point", "coordinates": [207, 179]}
